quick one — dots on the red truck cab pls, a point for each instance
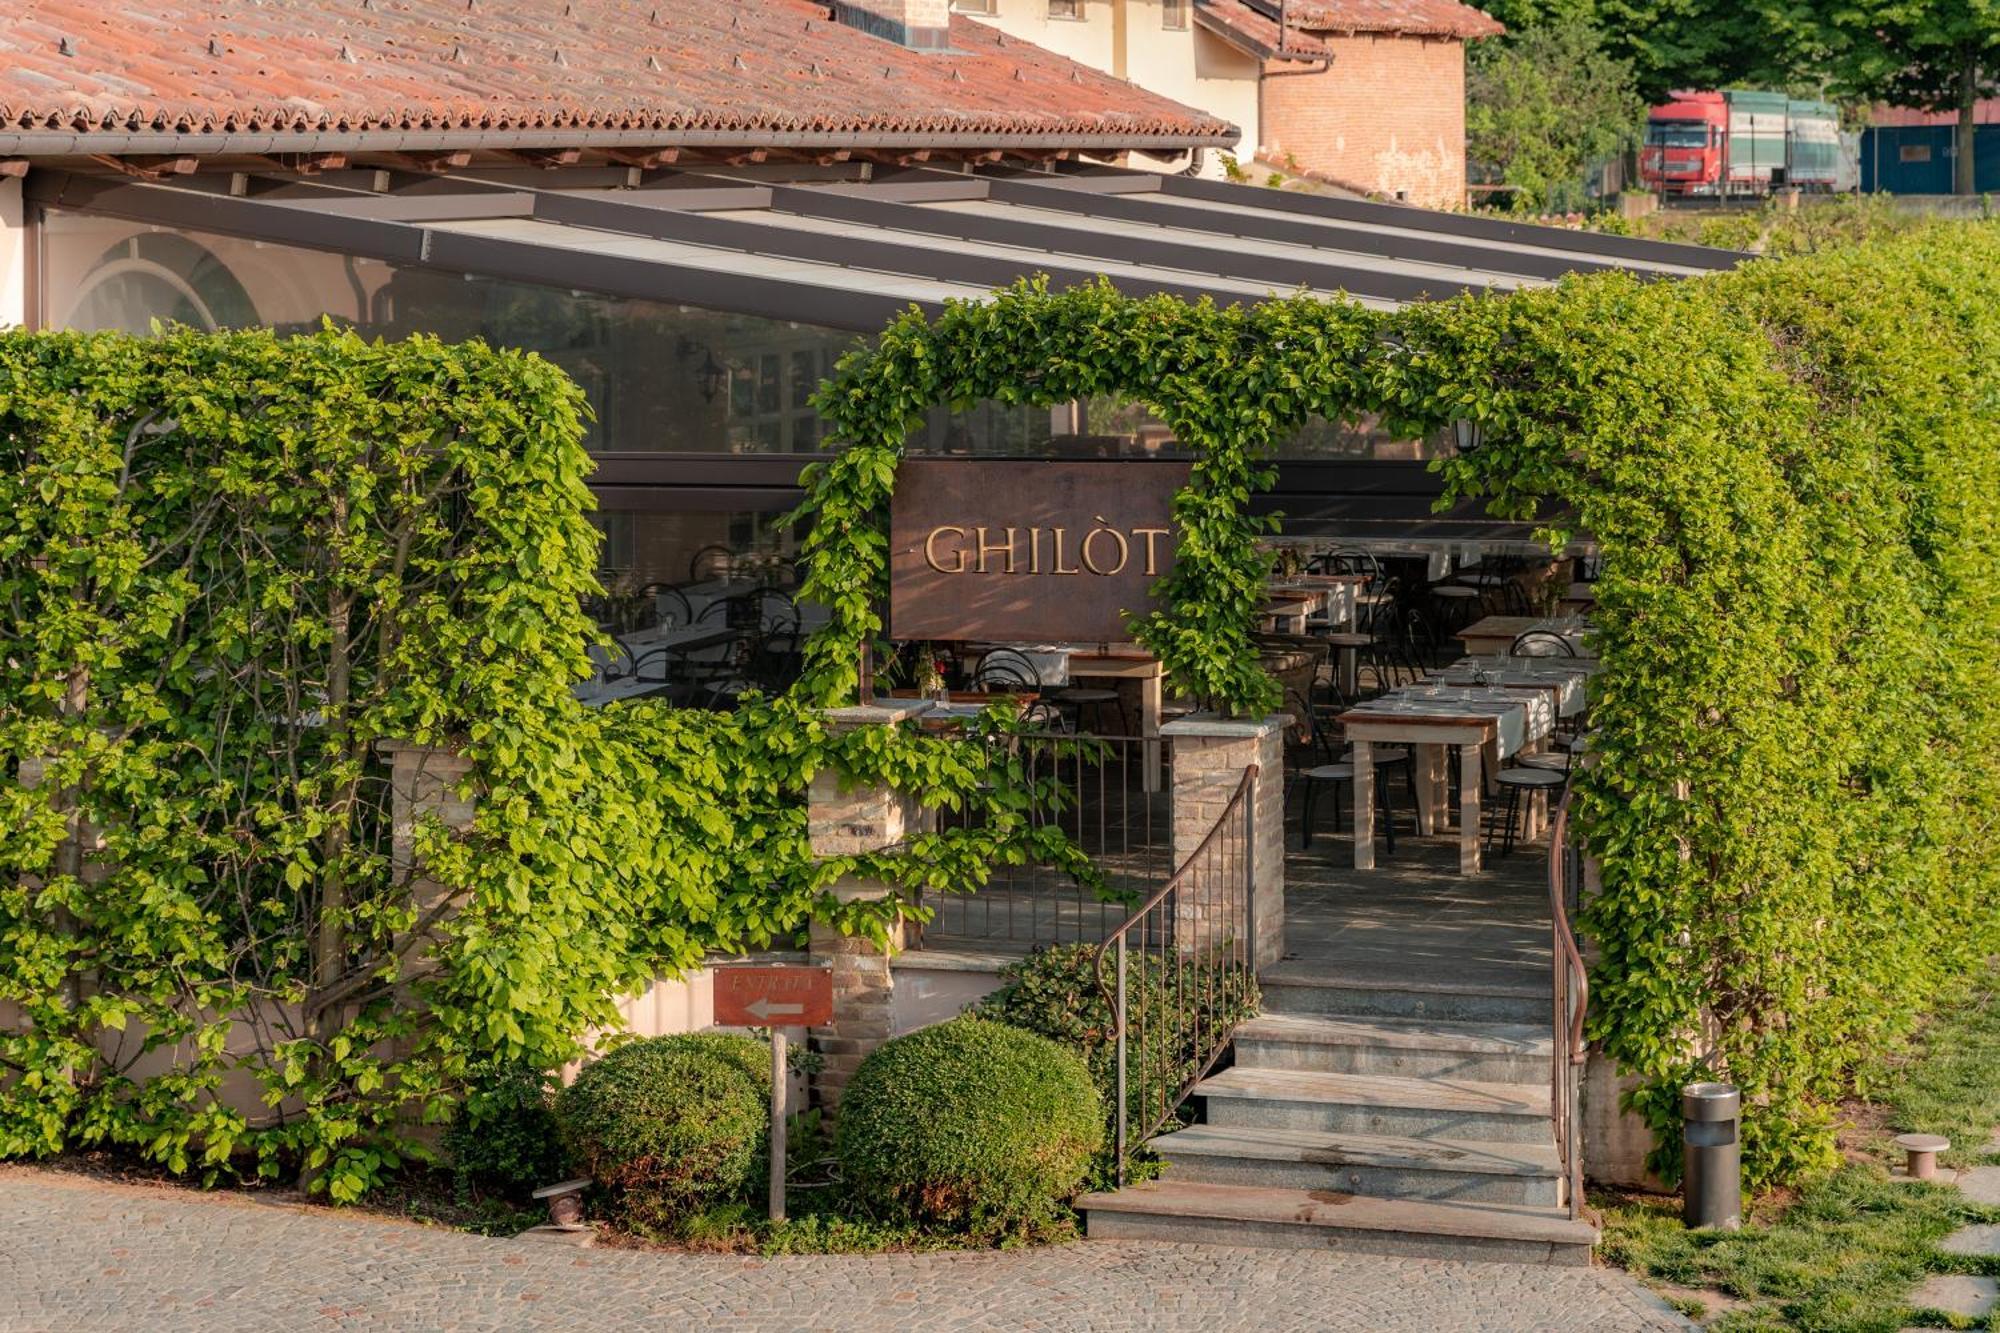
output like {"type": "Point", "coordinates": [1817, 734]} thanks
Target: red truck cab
{"type": "Point", "coordinates": [1686, 147]}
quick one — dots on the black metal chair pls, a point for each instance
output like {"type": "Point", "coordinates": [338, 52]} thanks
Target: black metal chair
{"type": "Point", "coordinates": [669, 604]}
{"type": "Point", "coordinates": [1540, 643]}
{"type": "Point", "coordinates": [709, 562]}
{"type": "Point", "coordinates": [1006, 671]}
{"type": "Point", "coordinates": [1310, 752]}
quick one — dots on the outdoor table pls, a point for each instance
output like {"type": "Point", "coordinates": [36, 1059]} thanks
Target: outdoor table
{"type": "Point", "coordinates": [680, 638]}
{"type": "Point", "coordinates": [596, 693]}
{"type": "Point", "coordinates": [1578, 600]}
{"type": "Point", "coordinates": [1496, 634]}
{"type": "Point", "coordinates": [1486, 725]}
{"type": "Point", "coordinates": [1067, 663]}
{"type": "Point", "coordinates": [1335, 594]}
{"type": "Point", "coordinates": [1565, 678]}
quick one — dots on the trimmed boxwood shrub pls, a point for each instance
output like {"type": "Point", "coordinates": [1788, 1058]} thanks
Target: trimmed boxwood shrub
{"type": "Point", "coordinates": [970, 1124]}
{"type": "Point", "coordinates": [503, 1140]}
{"type": "Point", "coordinates": [1054, 992]}
{"type": "Point", "coordinates": [670, 1125]}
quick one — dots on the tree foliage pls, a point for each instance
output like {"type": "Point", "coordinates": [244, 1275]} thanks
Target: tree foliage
{"type": "Point", "coordinates": [1543, 105]}
{"type": "Point", "coordinates": [1796, 746]}
{"type": "Point", "coordinates": [233, 568]}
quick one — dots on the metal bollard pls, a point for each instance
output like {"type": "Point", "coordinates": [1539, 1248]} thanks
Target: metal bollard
{"type": "Point", "coordinates": [1712, 1182]}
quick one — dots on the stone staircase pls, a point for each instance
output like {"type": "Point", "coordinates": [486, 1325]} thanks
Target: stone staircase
{"type": "Point", "coordinates": [1383, 1115]}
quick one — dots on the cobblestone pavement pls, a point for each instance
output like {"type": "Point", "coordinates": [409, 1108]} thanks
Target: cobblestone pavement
{"type": "Point", "coordinates": [78, 1254]}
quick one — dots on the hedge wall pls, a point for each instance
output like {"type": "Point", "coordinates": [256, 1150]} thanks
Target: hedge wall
{"type": "Point", "coordinates": [1793, 472]}
{"type": "Point", "coordinates": [231, 567]}
{"type": "Point", "coordinates": [1794, 475]}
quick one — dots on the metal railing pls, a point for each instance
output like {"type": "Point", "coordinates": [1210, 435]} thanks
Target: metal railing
{"type": "Point", "coordinates": [1176, 1008]}
{"type": "Point", "coordinates": [1570, 997]}
{"type": "Point", "coordinates": [1093, 788]}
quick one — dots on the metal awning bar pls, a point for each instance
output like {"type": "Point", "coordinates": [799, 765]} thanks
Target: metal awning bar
{"type": "Point", "coordinates": [1175, 250]}
{"type": "Point", "coordinates": [853, 255]}
{"type": "Point", "coordinates": [1599, 245]}
{"type": "Point", "coordinates": [1163, 210]}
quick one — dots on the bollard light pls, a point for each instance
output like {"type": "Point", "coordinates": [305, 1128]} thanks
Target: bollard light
{"type": "Point", "coordinates": [1712, 1182]}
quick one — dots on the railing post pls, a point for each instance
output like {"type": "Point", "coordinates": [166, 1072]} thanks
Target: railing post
{"type": "Point", "coordinates": [1118, 1017]}
{"type": "Point", "coordinates": [1250, 868]}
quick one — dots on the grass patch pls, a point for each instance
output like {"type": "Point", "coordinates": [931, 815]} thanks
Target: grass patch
{"type": "Point", "coordinates": [1843, 1254]}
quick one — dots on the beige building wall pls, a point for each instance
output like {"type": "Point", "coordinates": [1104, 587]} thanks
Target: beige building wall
{"type": "Point", "coordinates": [1388, 118]}
{"type": "Point", "coordinates": [13, 255]}
{"type": "Point", "coordinates": [1128, 39]}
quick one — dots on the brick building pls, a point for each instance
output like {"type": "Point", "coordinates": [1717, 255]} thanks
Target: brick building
{"type": "Point", "coordinates": [1365, 94]}
{"type": "Point", "coordinates": [1386, 114]}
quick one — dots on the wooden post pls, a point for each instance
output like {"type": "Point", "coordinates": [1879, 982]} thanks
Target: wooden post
{"type": "Point", "coordinates": [780, 1076]}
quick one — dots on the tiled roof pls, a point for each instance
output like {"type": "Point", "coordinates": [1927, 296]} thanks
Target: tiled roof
{"type": "Point", "coordinates": [777, 71]}
{"type": "Point", "coordinates": [1414, 18]}
{"type": "Point", "coordinates": [1986, 111]}
{"type": "Point", "coordinates": [1252, 30]}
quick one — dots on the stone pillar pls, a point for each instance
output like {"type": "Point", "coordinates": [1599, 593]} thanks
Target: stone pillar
{"type": "Point", "coordinates": [843, 820]}
{"type": "Point", "coordinates": [423, 783]}
{"type": "Point", "coordinates": [1209, 755]}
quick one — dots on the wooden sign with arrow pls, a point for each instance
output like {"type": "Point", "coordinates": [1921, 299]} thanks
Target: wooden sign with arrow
{"type": "Point", "coordinates": [776, 998]}
{"type": "Point", "coordinates": [759, 997]}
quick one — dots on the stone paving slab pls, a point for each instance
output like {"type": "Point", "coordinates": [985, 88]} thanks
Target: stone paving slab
{"type": "Point", "coordinates": [1956, 1294]}
{"type": "Point", "coordinates": [79, 1254]}
{"type": "Point", "coordinates": [1981, 1185]}
{"type": "Point", "coordinates": [1983, 1238]}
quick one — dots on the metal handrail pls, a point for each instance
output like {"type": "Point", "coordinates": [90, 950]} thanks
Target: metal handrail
{"type": "Point", "coordinates": [1570, 999]}
{"type": "Point", "coordinates": [1222, 873]}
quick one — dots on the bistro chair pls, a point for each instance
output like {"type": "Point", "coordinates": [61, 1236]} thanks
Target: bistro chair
{"type": "Point", "coordinates": [1006, 671]}
{"type": "Point", "coordinates": [1541, 643]}
{"type": "Point", "coordinates": [710, 562]}
{"type": "Point", "coordinates": [670, 605]}
{"type": "Point", "coordinates": [1311, 753]}
{"type": "Point", "coordinates": [1519, 779]}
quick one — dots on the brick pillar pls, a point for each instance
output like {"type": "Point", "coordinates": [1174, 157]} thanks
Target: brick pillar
{"type": "Point", "coordinates": [924, 25]}
{"type": "Point", "coordinates": [846, 820]}
{"type": "Point", "coordinates": [423, 782]}
{"type": "Point", "coordinates": [1209, 755]}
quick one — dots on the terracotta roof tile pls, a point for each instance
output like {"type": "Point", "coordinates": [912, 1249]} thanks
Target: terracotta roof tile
{"type": "Point", "coordinates": [1415, 18]}
{"type": "Point", "coordinates": [763, 67]}
{"type": "Point", "coordinates": [1250, 29]}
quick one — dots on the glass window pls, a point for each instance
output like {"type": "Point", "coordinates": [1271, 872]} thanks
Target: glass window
{"type": "Point", "coordinates": [1362, 439]}
{"type": "Point", "coordinates": [1173, 13]}
{"type": "Point", "coordinates": [974, 6]}
{"type": "Point", "coordinates": [1065, 9]}
{"type": "Point", "coordinates": [663, 378]}
{"type": "Point", "coordinates": [1677, 133]}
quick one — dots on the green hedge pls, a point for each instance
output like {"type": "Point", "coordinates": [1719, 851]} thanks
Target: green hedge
{"type": "Point", "coordinates": [1793, 471]}
{"type": "Point", "coordinates": [970, 1125]}
{"type": "Point", "coordinates": [1054, 993]}
{"type": "Point", "coordinates": [670, 1125]}
{"type": "Point", "coordinates": [1794, 475]}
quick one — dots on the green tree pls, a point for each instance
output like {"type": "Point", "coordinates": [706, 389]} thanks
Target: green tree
{"type": "Point", "coordinates": [1542, 105]}
{"type": "Point", "coordinates": [1704, 43]}
{"type": "Point", "coordinates": [1935, 55]}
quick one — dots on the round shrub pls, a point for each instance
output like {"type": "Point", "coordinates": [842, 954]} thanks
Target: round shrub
{"type": "Point", "coordinates": [503, 1140]}
{"type": "Point", "coordinates": [970, 1124]}
{"type": "Point", "coordinates": [670, 1125]}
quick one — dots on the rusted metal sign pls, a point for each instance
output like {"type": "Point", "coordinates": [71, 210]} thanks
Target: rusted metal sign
{"type": "Point", "coordinates": [1028, 550]}
{"type": "Point", "coordinates": [755, 997]}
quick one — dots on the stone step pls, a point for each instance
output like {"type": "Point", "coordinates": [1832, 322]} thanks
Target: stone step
{"type": "Point", "coordinates": [1367, 1164]}
{"type": "Point", "coordinates": [1416, 1108]}
{"type": "Point", "coordinates": [1412, 1047]}
{"type": "Point", "coordinates": [1198, 1213]}
{"type": "Point", "coordinates": [1298, 990]}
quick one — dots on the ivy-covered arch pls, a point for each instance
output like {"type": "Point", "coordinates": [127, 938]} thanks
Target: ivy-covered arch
{"type": "Point", "coordinates": [1792, 474]}
{"type": "Point", "coordinates": [1229, 381]}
